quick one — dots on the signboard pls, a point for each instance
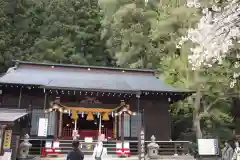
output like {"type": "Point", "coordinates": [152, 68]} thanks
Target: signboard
{"type": "Point", "coordinates": [56, 144]}
{"type": "Point", "coordinates": [88, 139]}
{"type": "Point", "coordinates": [48, 144]}
{"type": "Point", "coordinates": [42, 127]}
{"type": "Point", "coordinates": [142, 145]}
{"type": "Point", "coordinates": [208, 147]}
{"type": "Point", "coordinates": [7, 140]}
{"type": "Point", "coordinates": [125, 145]}
{"type": "Point", "coordinates": [6, 156]}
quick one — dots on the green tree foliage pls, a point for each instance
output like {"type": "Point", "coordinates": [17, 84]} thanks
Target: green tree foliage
{"type": "Point", "coordinates": [62, 31]}
{"type": "Point", "coordinates": [127, 28]}
{"type": "Point", "coordinates": [146, 36]}
{"type": "Point", "coordinates": [172, 22]}
{"type": "Point", "coordinates": [136, 35]}
{"type": "Point", "coordinates": [210, 107]}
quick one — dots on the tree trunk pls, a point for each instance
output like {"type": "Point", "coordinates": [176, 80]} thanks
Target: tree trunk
{"type": "Point", "coordinates": [197, 127]}
{"type": "Point", "coordinates": [197, 109]}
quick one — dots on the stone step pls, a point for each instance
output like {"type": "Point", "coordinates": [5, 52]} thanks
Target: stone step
{"type": "Point", "coordinates": [176, 158]}
{"type": "Point", "coordinates": [66, 146]}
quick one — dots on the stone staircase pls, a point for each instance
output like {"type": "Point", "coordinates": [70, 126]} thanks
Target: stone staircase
{"type": "Point", "coordinates": [66, 146]}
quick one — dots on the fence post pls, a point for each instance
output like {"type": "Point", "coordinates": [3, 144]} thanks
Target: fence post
{"type": "Point", "coordinates": [175, 149]}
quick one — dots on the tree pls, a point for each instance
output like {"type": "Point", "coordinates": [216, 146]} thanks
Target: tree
{"type": "Point", "coordinates": [211, 103]}
{"type": "Point", "coordinates": [215, 35]}
{"type": "Point", "coordinates": [55, 31]}
{"type": "Point", "coordinates": [172, 22]}
{"type": "Point", "coordinates": [71, 33]}
{"type": "Point", "coordinates": [18, 30]}
{"type": "Point", "coordinates": [128, 31]}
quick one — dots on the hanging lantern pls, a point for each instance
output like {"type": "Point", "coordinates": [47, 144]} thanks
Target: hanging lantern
{"type": "Point", "coordinates": [74, 115]}
{"type": "Point", "coordinates": [105, 117]}
{"type": "Point", "coordinates": [90, 116]}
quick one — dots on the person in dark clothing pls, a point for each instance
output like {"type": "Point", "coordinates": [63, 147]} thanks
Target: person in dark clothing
{"type": "Point", "coordinates": [75, 154]}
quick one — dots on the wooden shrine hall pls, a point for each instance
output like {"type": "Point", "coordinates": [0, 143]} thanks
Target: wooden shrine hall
{"type": "Point", "coordinates": [73, 96]}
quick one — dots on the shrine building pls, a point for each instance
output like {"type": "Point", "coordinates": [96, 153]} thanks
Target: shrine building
{"type": "Point", "coordinates": [72, 96]}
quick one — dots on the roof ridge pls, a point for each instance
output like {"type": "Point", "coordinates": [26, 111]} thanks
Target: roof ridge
{"type": "Point", "coordinates": [84, 66]}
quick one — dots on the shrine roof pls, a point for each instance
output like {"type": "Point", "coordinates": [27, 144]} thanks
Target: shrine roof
{"type": "Point", "coordinates": [10, 115]}
{"type": "Point", "coordinates": [92, 78]}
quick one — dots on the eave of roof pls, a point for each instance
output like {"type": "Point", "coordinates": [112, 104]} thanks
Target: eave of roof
{"type": "Point", "coordinates": [10, 115]}
{"type": "Point", "coordinates": [74, 77]}
{"type": "Point", "coordinates": [85, 66]}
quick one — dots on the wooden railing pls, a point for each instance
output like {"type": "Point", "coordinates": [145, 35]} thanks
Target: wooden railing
{"type": "Point", "coordinates": [67, 133]}
{"type": "Point", "coordinates": [166, 147]}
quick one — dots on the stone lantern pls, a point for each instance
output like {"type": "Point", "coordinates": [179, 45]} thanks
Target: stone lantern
{"type": "Point", "coordinates": [24, 148]}
{"type": "Point", "coordinates": [153, 148]}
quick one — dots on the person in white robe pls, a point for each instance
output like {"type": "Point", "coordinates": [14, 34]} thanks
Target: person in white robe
{"type": "Point", "coordinates": [99, 152]}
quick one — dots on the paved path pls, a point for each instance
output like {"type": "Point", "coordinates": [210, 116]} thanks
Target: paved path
{"type": "Point", "coordinates": [112, 157]}
{"type": "Point", "coordinates": [89, 157]}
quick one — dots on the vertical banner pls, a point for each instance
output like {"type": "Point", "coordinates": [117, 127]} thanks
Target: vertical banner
{"type": "Point", "coordinates": [142, 144]}
{"type": "Point", "coordinates": [126, 125]}
{"type": "Point", "coordinates": [42, 127]}
{"type": "Point", "coordinates": [7, 140]}
{"type": "Point", "coordinates": [52, 124]}
{"type": "Point", "coordinates": [134, 125]}
{"type": "Point", "coordinates": [36, 114]}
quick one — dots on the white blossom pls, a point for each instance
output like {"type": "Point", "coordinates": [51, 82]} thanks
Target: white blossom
{"type": "Point", "coordinates": [214, 35]}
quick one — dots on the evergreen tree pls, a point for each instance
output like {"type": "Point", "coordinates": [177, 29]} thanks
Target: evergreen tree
{"type": "Point", "coordinates": [128, 26]}
{"type": "Point", "coordinates": [58, 31]}
{"type": "Point", "coordinates": [71, 34]}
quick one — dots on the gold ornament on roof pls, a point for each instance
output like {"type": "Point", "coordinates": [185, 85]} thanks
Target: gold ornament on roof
{"type": "Point", "coordinates": [56, 106]}
{"type": "Point", "coordinates": [105, 117]}
{"type": "Point", "coordinates": [74, 115]}
{"type": "Point", "coordinates": [90, 116]}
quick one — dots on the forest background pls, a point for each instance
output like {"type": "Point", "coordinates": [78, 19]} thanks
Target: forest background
{"type": "Point", "coordinates": [125, 33]}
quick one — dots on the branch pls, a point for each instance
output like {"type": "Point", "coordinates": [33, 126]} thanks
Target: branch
{"type": "Point", "coordinates": [208, 108]}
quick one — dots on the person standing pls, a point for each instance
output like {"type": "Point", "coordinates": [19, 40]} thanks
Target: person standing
{"type": "Point", "coordinates": [236, 154]}
{"type": "Point", "coordinates": [76, 153]}
{"type": "Point", "coordinates": [227, 152]}
{"type": "Point", "coordinates": [99, 151]}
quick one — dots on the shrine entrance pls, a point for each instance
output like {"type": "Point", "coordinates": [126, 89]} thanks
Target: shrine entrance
{"type": "Point", "coordinates": [80, 122]}
{"type": "Point", "coordinates": [87, 128]}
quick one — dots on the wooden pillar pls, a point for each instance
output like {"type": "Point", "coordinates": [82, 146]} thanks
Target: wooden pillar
{"type": "Point", "coordinates": [45, 100]}
{"type": "Point", "coordinates": [115, 127]}
{"type": "Point", "coordinates": [20, 98]}
{"type": "Point", "coordinates": [60, 124]}
{"type": "Point", "coordinates": [122, 129]}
